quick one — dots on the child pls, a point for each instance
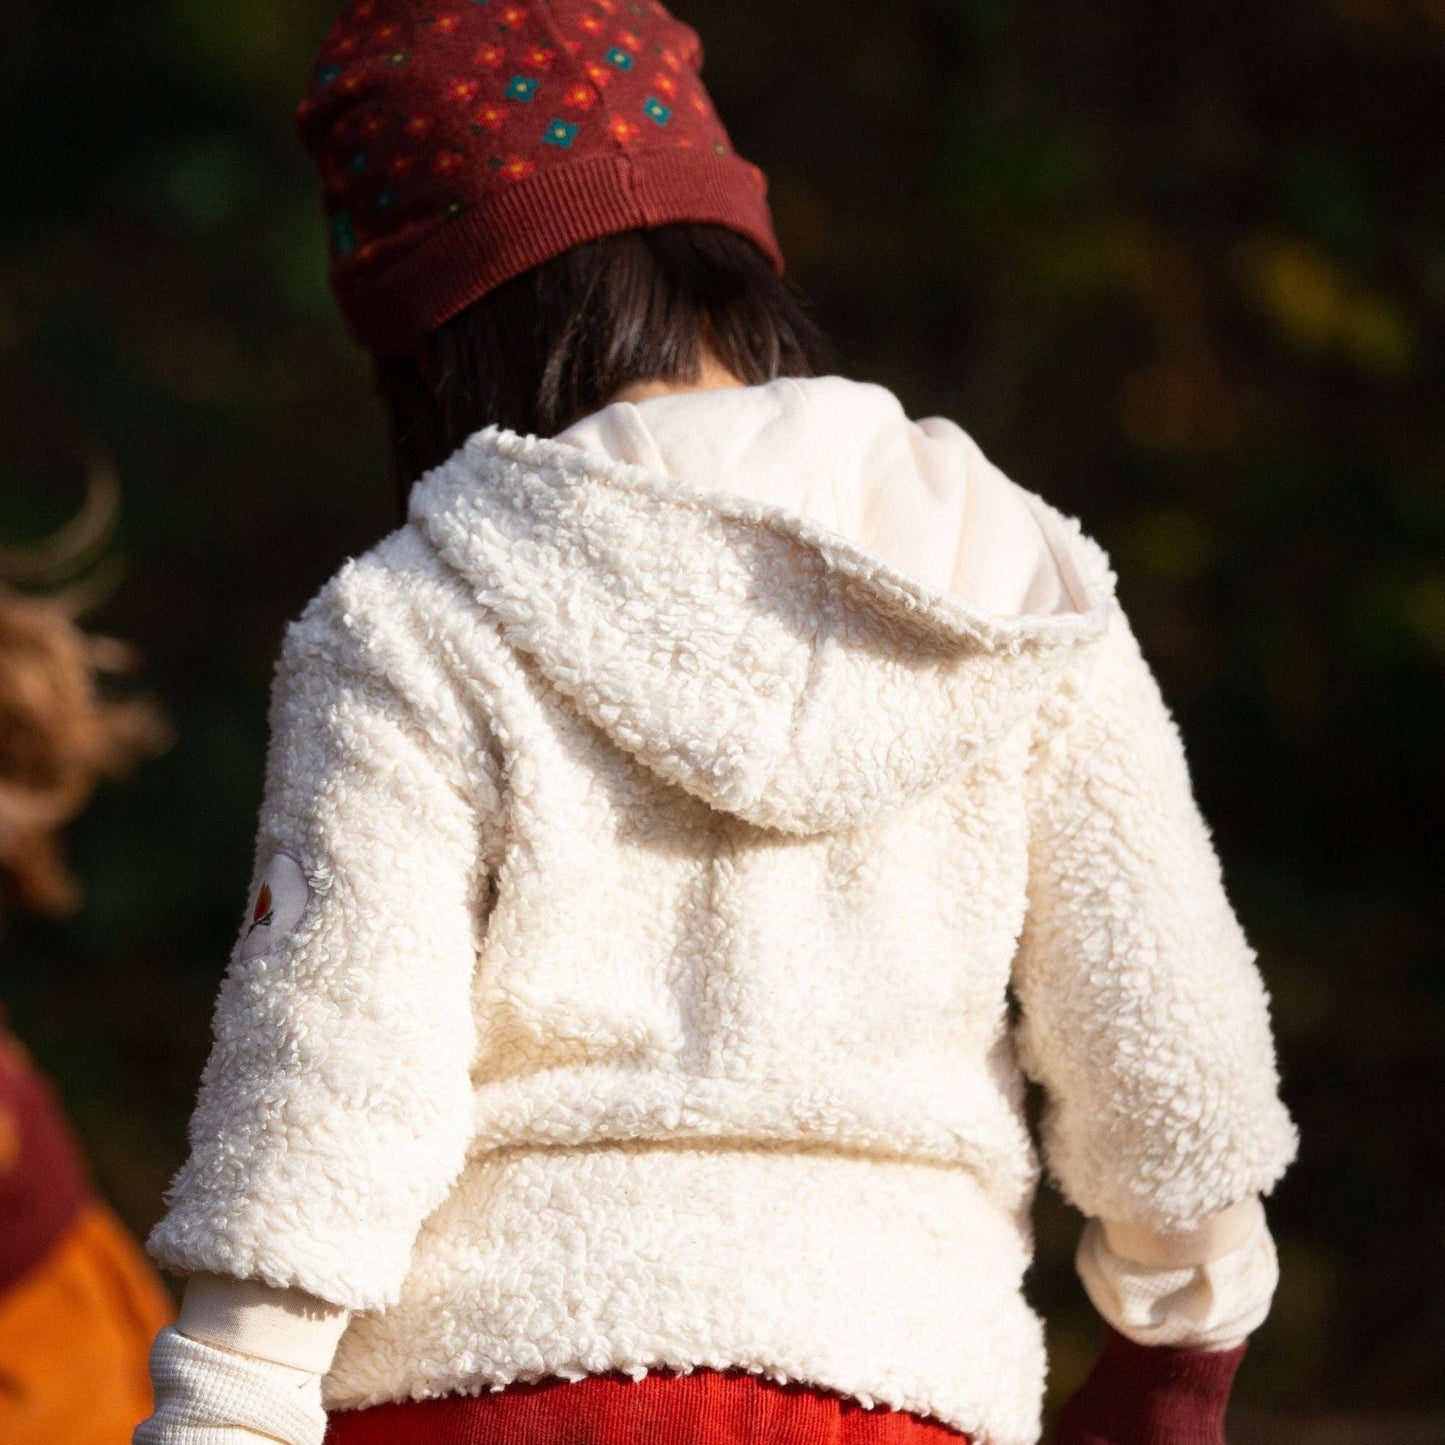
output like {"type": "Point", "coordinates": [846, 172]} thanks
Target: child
{"type": "Point", "coordinates": [659, 829]}
{"type": "Point", "coordinates": [79, 1302]}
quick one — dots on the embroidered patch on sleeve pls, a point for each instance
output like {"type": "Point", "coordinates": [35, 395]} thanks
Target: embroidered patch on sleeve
{"type": "Point", "coordinates": [277, 907]}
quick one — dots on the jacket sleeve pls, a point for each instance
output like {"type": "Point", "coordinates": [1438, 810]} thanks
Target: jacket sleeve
{"type": "Point", "coordinates": [335, 1108]}
{"type": "Point", "coordinates": [1141, 1011]}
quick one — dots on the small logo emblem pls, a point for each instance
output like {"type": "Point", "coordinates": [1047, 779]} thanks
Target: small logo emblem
{"type": "Point", "coordinates": [281, 899]}
{"type": "Point", "coordinates": [263, 913]}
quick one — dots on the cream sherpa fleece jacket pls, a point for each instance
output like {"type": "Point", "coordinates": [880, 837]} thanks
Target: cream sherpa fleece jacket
{"type": "Point", "coordinates": [644, 876]}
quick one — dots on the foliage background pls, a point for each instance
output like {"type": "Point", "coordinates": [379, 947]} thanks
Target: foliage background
{"type": "Point", "coordinates": [1180, 269]}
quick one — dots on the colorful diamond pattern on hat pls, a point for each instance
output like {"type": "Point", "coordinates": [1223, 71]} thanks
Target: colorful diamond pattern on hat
{"type": "Point", "coordinates": [413, 109]}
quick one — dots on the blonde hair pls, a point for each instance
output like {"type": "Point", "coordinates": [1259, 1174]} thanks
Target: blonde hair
{"type": "Point", "coordinates": [59, 735]}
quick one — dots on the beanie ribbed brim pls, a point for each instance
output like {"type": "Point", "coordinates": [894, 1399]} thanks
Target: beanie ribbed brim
{"type": "Point", "coordinates": [390, 307]}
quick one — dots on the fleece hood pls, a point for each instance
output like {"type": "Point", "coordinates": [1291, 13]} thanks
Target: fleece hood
{"type": "Point", "coordinates": [791, 599]}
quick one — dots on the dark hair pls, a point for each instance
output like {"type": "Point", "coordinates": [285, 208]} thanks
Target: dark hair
{"type": "Point", "coordinates": [553, 344]}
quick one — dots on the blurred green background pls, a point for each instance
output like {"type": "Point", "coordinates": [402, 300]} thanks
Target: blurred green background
{"type": "Point", "coordinates": [1180, 269]}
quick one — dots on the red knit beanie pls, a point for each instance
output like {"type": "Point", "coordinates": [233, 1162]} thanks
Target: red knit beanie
{"type": "Point", "coordinates": [460, 142]}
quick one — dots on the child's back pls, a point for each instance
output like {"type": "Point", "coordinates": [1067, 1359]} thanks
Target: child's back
{"type": "Point", "coordinates": [656, 829]}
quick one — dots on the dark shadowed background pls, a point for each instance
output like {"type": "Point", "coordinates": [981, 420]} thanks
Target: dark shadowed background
{"type": "Point", "coordinates": [1178, 268]}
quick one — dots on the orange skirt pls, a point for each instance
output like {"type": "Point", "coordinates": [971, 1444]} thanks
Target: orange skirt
{"type": "Point", "coordinates": [75, 1333]}
{"type": "Point", "coordinates": [706, 1407]}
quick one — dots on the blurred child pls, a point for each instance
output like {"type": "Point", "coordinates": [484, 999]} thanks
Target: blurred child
{"type": "Point", "coordinates": [79, 1303]}
{"type": "Point", "coordinates": [680, 840]}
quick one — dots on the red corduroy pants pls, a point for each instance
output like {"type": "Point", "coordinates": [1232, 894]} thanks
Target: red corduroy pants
{"type": "Point", "coordinates": [706, 1407]}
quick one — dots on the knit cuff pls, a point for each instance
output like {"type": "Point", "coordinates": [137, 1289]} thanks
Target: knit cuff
{"type": "Point", "coordinates": [205, 1395]}
{"type": "Point", "coordinates": [1151, 1395]}
{"type": "Point", "coordinates": [1210, 1304]}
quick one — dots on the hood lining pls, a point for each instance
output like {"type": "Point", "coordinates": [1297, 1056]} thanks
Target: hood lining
{"type": "Point", "coordinates": [1084, 566]}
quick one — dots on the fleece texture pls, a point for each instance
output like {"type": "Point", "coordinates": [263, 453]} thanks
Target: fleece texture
{"type": "Point", "coordinates": [689, 888]}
